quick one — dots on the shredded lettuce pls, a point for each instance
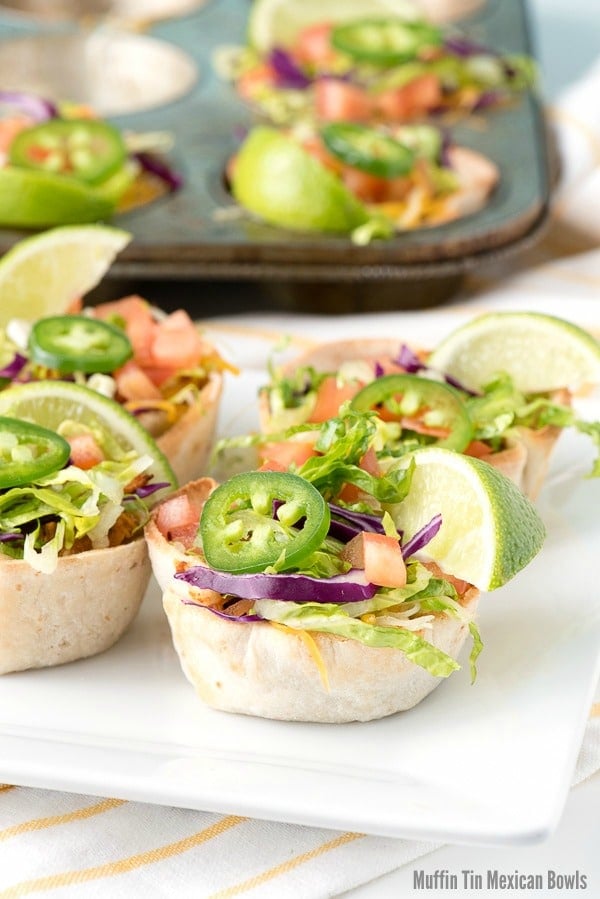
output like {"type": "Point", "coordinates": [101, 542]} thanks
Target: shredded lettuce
{"type": "Point", "coordinates": [332, 619]}
{"type": "Point", "coordinates": [56, 511]}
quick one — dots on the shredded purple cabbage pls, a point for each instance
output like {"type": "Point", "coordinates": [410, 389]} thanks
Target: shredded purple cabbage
{"type": "Point", "coordinates": [379, 370]}
{"type": "Point", "coordinates": [462, 46]}
{"type": "Point", "coordinates": [37, 108]}
{"type": "Point", "coordinates": [8, 538]}
{"type": "Point", "coordinates": [422, 537]}
{"type": "Point", "coordinates": [364, 520]}
{"type": "Point", "coordinates": [287, 72]}
{"type": "Point", "coordinates": [488, 98]}
{"type": "Point", "coordinates": [149, 489]}
{"type": "Point", "coordinates": [349, 587]}
{"type": "Point", "coordinates": [162, 170]}
{"type": "Point", "coordinates": [408, 360]}
{"type": "Point", "coordinates": [222, 613]}
{"type": "Point", "coordinates": [13, 368]}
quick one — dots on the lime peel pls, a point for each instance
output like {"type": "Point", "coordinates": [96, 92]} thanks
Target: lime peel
{"type": "Point", "coordinates": [489, 531]}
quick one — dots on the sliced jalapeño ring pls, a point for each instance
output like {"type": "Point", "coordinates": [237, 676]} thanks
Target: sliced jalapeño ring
{"type": "Point", "coordinates": [257, 519]}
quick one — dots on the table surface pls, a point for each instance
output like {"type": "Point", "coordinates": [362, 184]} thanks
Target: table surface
{"type": "Point", "coordinates": [567, 39]}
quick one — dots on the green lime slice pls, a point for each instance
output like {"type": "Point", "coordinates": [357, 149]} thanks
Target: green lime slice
{"type": "Point", "coordinates": [489, 531]}
{"type": "Point", "coordinates": [279, 181]}
{"type": "Point", "coordinates": [540, 352]}
{"type": "Point", "coordinates": [49, 403]}
{"type": "Point", "coordinates": [43, 274]}
{"type": "Point", "coordinates": [30, 199]}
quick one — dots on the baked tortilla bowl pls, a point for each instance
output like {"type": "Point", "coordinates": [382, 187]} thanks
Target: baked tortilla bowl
{"type": "Point", "coordinates": [258, 669]}
{"type": "Point", "coordinates": [524, 460]}
{"type": "Point", "coordinates": [188, 442]}
{"type": "Point", "coordinates": [79, 610]}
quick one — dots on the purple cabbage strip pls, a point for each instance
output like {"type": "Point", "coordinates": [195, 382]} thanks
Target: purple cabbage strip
{"type": "Point", "coordinates": [364, 520]}
{"type": "Point", "coordinates": [422, 537]}
{"type": "Point", "coordinates": [342, 530]}
{"type": "Point", "coordinates": [411, 363]}
{"type": "Point", "coordinates": [349, 587]}
{"type": "Point", "coordinates": [13, 368]}
{"type": "Point", "coordinates": [222, 613]}
{"type": "Point", "coordinates": [162, 170]}
{"type": "Point", "coordinates": [149, 489]}
{"type": "Point", "coordinates": [487, 99]}
{"type": "Point", "coordinates": [287, 71]}
{"type": "Point", "coordinates": [379, 369]}
{"type": "Point", "coordinates": [464, 47]}
{"type": "Point", "coordinates": [6, 538]}
{"type": "Point", "coordinates": [37, 108]}
{"type": "Point", "coordinates": [408, 360]}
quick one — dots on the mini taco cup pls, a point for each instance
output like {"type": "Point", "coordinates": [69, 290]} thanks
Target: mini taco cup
{"type": "Point", "coordinates": [261, 669]}
{"type": "Point", "coordinates": [79, 610]}
{"type": "Point", "coordinates": [524, 459]}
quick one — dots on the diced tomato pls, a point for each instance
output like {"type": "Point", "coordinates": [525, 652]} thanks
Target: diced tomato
{"type": "Point", "coordinates": [313, 45]}
{"type": "Point", "coordinates": [368, 188]}
{"type": "Point", "coordinates": [330, 396]}
{"type": "Point", "coordinates": [251, 82]}
{"type": "Point", "coordinates": [380, 556]}
{"type": "Point", "coordinates": [370, 463]}
{"type": "Point", "coordinates": [338, 101]}
{"type": "Point", "coordinates": [350, 493]}
{"type": "Point", "coordinates": [9, 128]}
{"type": "Point", "coordinates": [315, 147]}
{"type": "Point", "coordinates": [419, 427]}
{"type": "Point", "coordinates": [75, 306]}
{"type": "Point", "coordinates": [85, 452]}
{"type": "Point", "coordinates": [177, 519]}
{"type": "Point", "coordinates": [459, 585]}
{"type": "Point", "coordinates": [139, 324]}
{"type": "Point", "coordinates": [271, 465]}
{"type": "Point", "coordinates": [177, 342]}
{"type": "Point", "coordinates": [286, 453]}
{"type": "Point", "coordinates": [134, 384]}
{"type": "Point", "coordinates": [413, 99]}
{"type": "Point", "coordinates": [478, 448]}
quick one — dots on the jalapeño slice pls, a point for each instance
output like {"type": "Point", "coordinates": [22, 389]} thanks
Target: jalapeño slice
{"type": "Point", "coordinates": [256, 519]}
{"type": "Point", "coordinates": [367, 149]}
{"type": "Point", "coordinates": [28, 452]}
{"type": "Point", "coordinates": [70, 343]}
{"type": "Point", "coordinates": [385, 42]}
{"type": "Point", "coordinates": [429, 408]}
{"type": "Point", "coordinates": [86, 149]}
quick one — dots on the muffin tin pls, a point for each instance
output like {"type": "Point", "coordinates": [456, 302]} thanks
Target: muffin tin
{"type": "Point", "coordinates": [196, 232]}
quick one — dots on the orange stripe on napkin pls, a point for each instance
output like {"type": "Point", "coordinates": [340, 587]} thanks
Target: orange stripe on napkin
{"type": "Point", "coordinates": [595, 710]}
{"type": "Point", "coordinates": [122, 866]}
{"type": "Point", "coordinates": [78, 815]}
{"type": "Point", "coordinates": [5, 787]}
{"type": "Point", "coordinates": [284, 867]}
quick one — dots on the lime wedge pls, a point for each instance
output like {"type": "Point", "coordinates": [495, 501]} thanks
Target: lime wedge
{"type": "Point", "coordinates": [49, 403]}
{"type": "Point", "coordinates": [30, 199]}
{"type": "Point", "coordinates": [278, 181]}
{"type": "Point", "coordinates": [489, 529]}
{"type": "Point", "coordinates": [41, 275]}
{"type": "Point", "coordinates": [275, 23]}
{"type": "Point", "coordinates": [540, 352]}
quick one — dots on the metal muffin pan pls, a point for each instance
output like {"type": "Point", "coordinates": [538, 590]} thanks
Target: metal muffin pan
{"type": "Point", "coordinates": [191, 235]}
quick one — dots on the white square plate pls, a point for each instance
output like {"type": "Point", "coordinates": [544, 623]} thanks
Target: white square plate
{"type": "Point", "coordinates": [489, 763]}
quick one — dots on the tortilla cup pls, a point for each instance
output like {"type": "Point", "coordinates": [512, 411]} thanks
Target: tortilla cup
{"type": "Point", "coordinates": [256, 668]}
{"type": "Point", "coordinates": [79, 610]}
